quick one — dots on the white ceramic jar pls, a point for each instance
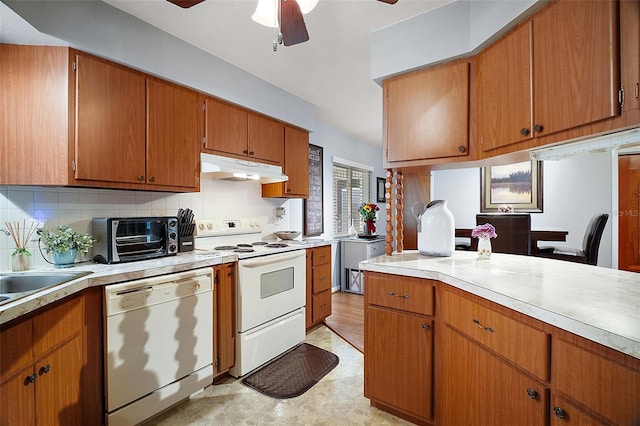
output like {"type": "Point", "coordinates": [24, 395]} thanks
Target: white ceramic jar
{"type": "Point", "coordinates": [436, 229]}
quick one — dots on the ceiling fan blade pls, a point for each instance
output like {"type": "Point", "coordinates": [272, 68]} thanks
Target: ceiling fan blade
{"type": "Point", "coordinates": [185, 4]}
{"type": "Point", "coordinates": [389, 1]}
{"type": "Point", "coordinates": [292, 25]}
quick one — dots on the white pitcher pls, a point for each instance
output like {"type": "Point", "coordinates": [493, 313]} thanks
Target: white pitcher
{"type": "Point", "coordinates": [436, 228]}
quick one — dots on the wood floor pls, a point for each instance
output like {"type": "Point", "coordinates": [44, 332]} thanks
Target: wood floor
{"type": "Point", "coordinates": [347, 318]}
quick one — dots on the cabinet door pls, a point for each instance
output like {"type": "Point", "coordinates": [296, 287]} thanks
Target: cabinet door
{"type": "Point", "coordinates": [505, 91]}
{"type": "Point", "coordinates": [321, 306]}
{"type": "Point", "coordinates": [58, 397]}
{"type": "Point", "coordinates": [57, 324]}
{"type": "Point", "coordinates": [296, 162]}
{"type": "Point", "coordinates": [17, 399]}
{"type": "Point", "coordinates": [265, 138]}
{"type": "Point", "coordinates": [398, 361]}
{"type": "Point", "coordinates": [15, 347]}
{"type": "Point", "coordinates": [173, 139]}
{"type": "Point", "coordinates": [225, 127]}
{"type": "Point", "coordinates": [110, 122]}
{"type": "Point", "coordinates": [428, 113]}
{"type": "Point", "coordinates": [480, 389]}
{"type": "Point", "coordinates": [630, 52]}
{"type": "Point", "coordinates": [225, 317]}
{"type": "Point", "coordinates": [575, 64]}
{"type": "Point", "coordinates": [564, 413]}
{"type": "Point", "coordinates": [34, 115]}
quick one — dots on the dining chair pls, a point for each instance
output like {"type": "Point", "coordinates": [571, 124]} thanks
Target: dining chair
{"type": "Point", "coordinates": [590, 244]}
{"type": "Point", "coordinates": [513, 230]}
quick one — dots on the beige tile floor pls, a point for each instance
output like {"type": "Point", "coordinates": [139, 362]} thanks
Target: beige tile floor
{"type": "Point", "coordinates": [336, 400]}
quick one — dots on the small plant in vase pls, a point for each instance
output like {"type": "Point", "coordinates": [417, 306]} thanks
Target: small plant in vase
{"type": "Point", "coordinates": [484, 233]}
{"type": "Point", "coordinates": [63, 244]}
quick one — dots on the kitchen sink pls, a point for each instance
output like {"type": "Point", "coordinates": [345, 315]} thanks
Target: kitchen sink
{"type": "Point", "coordinates": [16, 285]}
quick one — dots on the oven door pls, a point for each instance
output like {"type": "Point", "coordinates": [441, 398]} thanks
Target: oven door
{"type": "Point", "coordinates": [269, 287]}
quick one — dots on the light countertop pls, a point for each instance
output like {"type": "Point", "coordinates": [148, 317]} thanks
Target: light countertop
{"type": "Point", "coordinates": [599, 304]}
{"type": "Point", "coordinates": [102, 274]}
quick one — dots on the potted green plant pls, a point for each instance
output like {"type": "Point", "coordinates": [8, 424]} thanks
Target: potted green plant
{"type": "Point", "coordinates": [64, 244]}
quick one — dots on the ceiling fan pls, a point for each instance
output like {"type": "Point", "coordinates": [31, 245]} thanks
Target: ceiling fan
{"type": "Point", "coordinates": [292, 29]}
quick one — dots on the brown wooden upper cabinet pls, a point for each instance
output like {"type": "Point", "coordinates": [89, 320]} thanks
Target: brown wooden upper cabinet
{"type": "Point", "coordinates": [235, 131]}
{"type": "Point", "coordinates": [427, 113]}
{"type": "Point", "coordinates": [630, 54]}
{"type": "Point", "coordinates": [84, 121]}
{"type": "Point", "coordinates": [296, 167]}
{"type": "Point", "coordinates": [557, 71]}
{"type": "Point", "coordinates": [134, 129]}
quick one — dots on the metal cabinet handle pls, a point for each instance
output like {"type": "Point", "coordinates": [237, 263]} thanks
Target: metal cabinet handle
{"type": "Point", "coordinates": [462, 148]}
{"type": "Point", "coordinates": [152, 179]}
{"type": "Point", "coordinates": [559, 412]}
{"type": "Point", "coordinates": [477, 322]}
{"type": "Point", "coordinates": [141, 178]}
{"type": "Point", "coordinates": [524, 131]}
{"type": "Point", "coordinates": [532, 393]}
{"type": "Point", "coordinates": [538, 128]}
{"type": "Point", "coordinates": [425, 326]}
{"type": "Point", "coordinates": [251, 153]}
{"type": "Point", "coordinates": [245, 151]}
{"type": "Point", "coordinates": [31, 378]}
{"type": "Point", "coordinates": [44, 369]}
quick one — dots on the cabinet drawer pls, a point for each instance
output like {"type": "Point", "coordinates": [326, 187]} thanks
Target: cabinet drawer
{"type": "Point", "coordinates": [321, 255]}
{"type": "Point", "coordinates": [375, 249]}
{"type": "Point", "coordinates": [321, 278]}
{"type": "Point", "coordinates": [605, 386]}
{"type": "Point", "coordinates": [525, 346]}
{"type": "Point", "coordinates": [321, 306]}
{"type": "Point", "coordinates": [408, 294]}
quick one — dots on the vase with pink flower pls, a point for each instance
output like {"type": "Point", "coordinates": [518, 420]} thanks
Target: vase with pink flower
{"type": "Point", "coordinates": [484, 233]}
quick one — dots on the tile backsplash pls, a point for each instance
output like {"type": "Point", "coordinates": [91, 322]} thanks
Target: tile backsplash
{"type": "Point", "coordinates": [54, 206]}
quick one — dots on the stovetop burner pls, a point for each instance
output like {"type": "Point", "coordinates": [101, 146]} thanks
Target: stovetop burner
{"type": "Point", "coordinates": [226, 248]}
{"type": "Point", "coordinates": [277, 245]}
{"type": "Point", "coordinates": [244, 245]}
{"type": "Point", "coordinates": [244, 250]}
{"type": "Point", "coordinates": [260, 243]}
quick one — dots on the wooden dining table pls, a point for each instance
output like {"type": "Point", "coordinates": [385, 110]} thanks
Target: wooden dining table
{"type": "Point", "coordinates": [536, 235]}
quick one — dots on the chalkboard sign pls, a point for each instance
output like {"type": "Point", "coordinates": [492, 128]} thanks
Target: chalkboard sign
{"type": "Point", "coordinates": [313, 206]}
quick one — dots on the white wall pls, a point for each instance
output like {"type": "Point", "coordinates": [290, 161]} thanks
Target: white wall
{"type": "Point", "coordinates": [574, 189]}
{"type": "Point", "coordinates": [452, 30]}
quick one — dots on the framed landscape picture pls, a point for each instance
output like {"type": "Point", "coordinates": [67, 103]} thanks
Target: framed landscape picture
{"type": "Point", "coordinates": [511, 188]}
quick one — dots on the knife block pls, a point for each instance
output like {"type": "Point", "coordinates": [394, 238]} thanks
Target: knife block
{"type": "Point", "coordinates": [185, 243]}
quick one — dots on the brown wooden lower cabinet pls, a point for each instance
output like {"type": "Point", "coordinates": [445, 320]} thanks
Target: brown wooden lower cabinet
{"type": "Point", "coordinates": [478, 388]}
{"type": "Point", "coordinates": [471, 361]}
{"type": "Point", "coordinates": [224, 324]}
{"type": "Point", "coordinates": [318, 305]}
{"type": "Point", "coordinates": [50, 364]}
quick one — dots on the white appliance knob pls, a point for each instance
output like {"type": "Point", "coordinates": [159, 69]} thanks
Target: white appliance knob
{"type": "Point", "coordinates": [201, 226]}
{"type": "Point", "coordinates": [209, 226]}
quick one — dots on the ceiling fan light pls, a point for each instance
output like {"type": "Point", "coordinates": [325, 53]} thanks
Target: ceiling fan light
{"type": "Point", "coordinates": [266, 13]}
{"type": "Point", "coordinates": [307, 6]}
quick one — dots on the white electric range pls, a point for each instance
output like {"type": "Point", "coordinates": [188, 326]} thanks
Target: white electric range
{"type": "Point", "coordinates": [270, 288]}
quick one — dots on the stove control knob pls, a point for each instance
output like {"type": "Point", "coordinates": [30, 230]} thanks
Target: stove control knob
{"type": "Point", "coordinates": [209, 226]}
{"type": "Point", "coordinates": [201, 226]}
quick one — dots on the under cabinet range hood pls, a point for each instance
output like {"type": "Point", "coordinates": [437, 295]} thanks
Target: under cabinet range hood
{"type": "Point", "coordinates": [218, 167]}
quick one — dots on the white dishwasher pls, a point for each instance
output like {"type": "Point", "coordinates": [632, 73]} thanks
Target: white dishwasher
{"type": "Point", "coordinates": [159, 343]}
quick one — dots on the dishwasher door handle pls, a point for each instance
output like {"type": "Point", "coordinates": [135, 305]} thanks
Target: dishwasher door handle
{"type": "Point", "coordinates": [135, 290]}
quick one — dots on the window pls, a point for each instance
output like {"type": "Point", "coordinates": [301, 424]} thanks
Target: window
{"type": "Point", "coordinates": [351, 187]}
